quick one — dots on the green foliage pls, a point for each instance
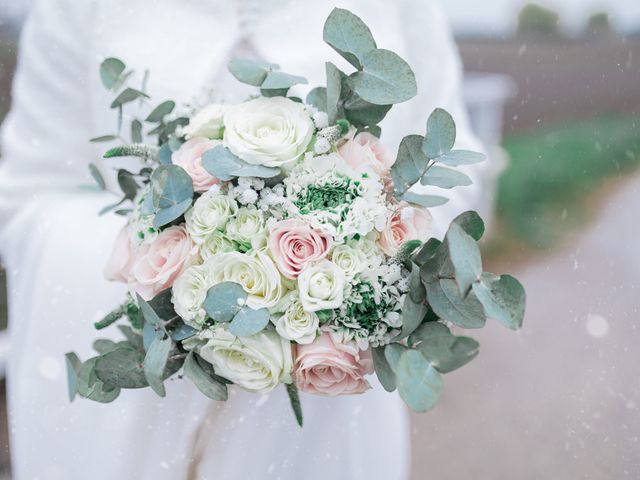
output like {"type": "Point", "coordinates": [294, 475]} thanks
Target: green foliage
{"type": "Point", "coordinates": [204, 379]}
{"type": "Point", "coordinates": [419, 383]}
{"type": "Point", "coordinates": [97, 176]}
{"type": "Point", "coordinates": [126, 96]}
{"type": "Point", "coordinates": [248, 321]}
{"type": "Point", "coordinates": [503, 298]}
{"type": "Point", "coordinates": [155, 361]}
{"type": "Point", "coordinates": [534, 19]}
{"type": "Point", "coordinates": [157, 114]}
{"type": "Point", "coordinates": [73, 368]}
{"type": "Point", "coordinates": [171, 193]}
{"type": "Point", "coordinates": [333, 91]}
{"type": "Point", "coordinates": [111, 72]}
{"type": "Point", "coordinates": [465, 257]}
{"type": "Point", "coordinates": [294, 398]}
{"type": "Point", "coordinates": [445, 351]}
{"type": "Point", "coordinates": [266, 76]}
{"type": "Point", "coordinates": [383, 369]}
{"type": "Point", "coordinates": [222, 164]}
{"type": "Point", "coordinates": [145, 152]}
{"type": "Point", "coordinates": [348, 35]}
{"type": "Point", "coordinates": [441, 134]}
{"type": "Point", "coordinates": [224, 301]}
{"type": "Point", "coordinates": [444, 178]}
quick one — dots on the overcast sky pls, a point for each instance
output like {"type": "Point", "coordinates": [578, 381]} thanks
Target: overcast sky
{"type": "Point", "coordinates": [499, 15]}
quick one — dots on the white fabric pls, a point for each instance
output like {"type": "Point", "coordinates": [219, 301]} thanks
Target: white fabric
{"type": "Point", "coordinates": [54, 245]}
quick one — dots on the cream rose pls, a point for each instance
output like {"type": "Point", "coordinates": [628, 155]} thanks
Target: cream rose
{"type": "Point", "coordinates": [188, 294]}
{"type": "Point", "coordinates": [256, 273]}
{"type": "Point", "coordinates": [189, 157]}
{"type": "Point", "coordinates": [321, 286]}
{"type": "Point", "coordinates": [328, 368]}
{"type": "Point", "coordinates": [406, 223]}
{"type": "Point", "coordinates": [216, 242]}
{"type": "Point", "coordinates": [247, 228]}
{"type": "Point", "coordinates": [257, 363]}
{"type": "Point", "coordinates": [206, 123]}
{"type": "Point", "coordinates": [294, 323]}
{"type": "Point", "coordinates": [208, 214]}
{"type": "Point", "coordinates": [268, 131]}
{"type": "Point", "coordinates": [351, 260]}
{"type": "Point", "coordinates": [159, 263]}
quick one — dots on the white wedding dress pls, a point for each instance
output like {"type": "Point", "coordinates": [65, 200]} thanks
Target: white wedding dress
{"type": "Point", "coordinates": [54, 245]}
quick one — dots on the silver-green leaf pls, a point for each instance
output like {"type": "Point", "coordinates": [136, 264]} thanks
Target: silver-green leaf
{"type": "Point", "coordinates": [207, 384]}
{"type": "Point", "coordinates": [419, 383]}
{"type": "Point", "coordinates": [465, 257]}
{"type": "Point", "coordinates": [224, 301]}
{"type": "Point", "coordinates": [445, 178]}
{"type": "Point", "coordinates": [348, 35]}
{"type": "Point", "coordinates": [441, 134]}
{"type": "Point", "coordinates": [503, 299]}
{"type": "Point", "coordinates": [248, 321]}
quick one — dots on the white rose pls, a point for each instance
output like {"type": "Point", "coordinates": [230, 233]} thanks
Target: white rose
{"type": "Point", "coordinates": [351, 260]}
{"type": "Point", "coordinates": [208, 214]}
{"type": "Point", "coordinates": [248, 228]}
{"type": "Point", "coordinates": [294, 323]}
{"type": "Point", "coordinates": [256, 273]}
{"type": "Point", "coordinates": [321, 286]}
{"type": "Point", "coordinates": [268, 131]}
{"type": "Point", "coordinates": [215, 243]}
{"type": "Point", "coordinates": [257, 363]}
{"type": "Point", "coordinates": [188, 294]}
{"type": "Point", "coordinates": [206, 123]}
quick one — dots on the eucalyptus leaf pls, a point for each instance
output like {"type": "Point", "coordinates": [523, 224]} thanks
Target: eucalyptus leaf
{"type": "Point", "coordinates": [103, 138]}
{"type": "Point", "coordinates": [417, 292]}
{"type": "Point", "coordinates": [182, 332]}
{"type": "Point", "coordinates": [413, 314]}
{"type": "Point", "coordinates": [162, 304]}
{"type": "Point", "coordinates": [91, 387]}
{"type": "Point", "coordinates": [441, 134]}
{"type": "Point", "coordinates": [333, 92]}
{"type": "Point", "coordinates": [224, 301]}
{"type": "Point", "coordinates": [427, 251]}
{"type": "Point", "coordinates": [392, 353]}
{"type": "Point", "coordinates": [362, 114]}
{"type": "Point", "coordinates": [448, 303]}
{"type": "Point", "coordinates": [224, 165]}
{"type": "Point", "coordinates": [460, 157]}
{"type": "Point", "coordinates": [103, 345]}
{"type": "Point", "coordinates": [445, 351]}
{"type": "Point", "coordinates": [136, 131]}
{"type": "Point", "coordinates": [248, 321]}
{"type": "Point", "coordinates": [445, 178]}
{"type": "Point", "coordinates": [150, 315]}
{"type": "Point", "coordinates": [465, 257]}
{"type": "Point", "coordinates": [149, 334]}
{"type": "Point", "coordinates": [294, 398]}
{"type": "Point", "coordinates": [73, 364]}
{"type": "Point", "coordinates": [127, 183]}
{"type": "Point", "coordinates": [172, 193]}
{"type": "Point", "coordinates": [426, 201]}
{"type": "Point", "coordinates": [121, 368]}
{"type": "Point", "coordinates": [155, 362]}
{"type": "Point", "coordinates": [503, 299]}
{"type": "Point", "coordinates": [348, 35]}
{"type": "Point", "coordinates": [110, 70]}
{"type": "Point", "coordinates": [383, 369]}
{"type": "Point", "coordinates": [471, 223]}
{"type": "Point", "coordinates": [385, 78]}
{"type": "Point", "coordinates": [410, 165]}
{"type": "Point", "coordinates": [419, 384]}
{"type": "Point", "coordinates": [276, 80]}
{"type": "Point", "coordinates": [133, 338]}
{"type": "Point", "coordinates": [164, 154]}
{"type": "Point", "coordinates": [126, 96]}
{"type": "Point", "coordinates": [318, 98]}
{"type": "Point", "coordinates": [97, 176]}
{"type": "Point", "coordinates": [206, 383]}
{"type": "Point", "coordinates": [161, 111]}
{"type": "Point", "coordinates": [249, 71]}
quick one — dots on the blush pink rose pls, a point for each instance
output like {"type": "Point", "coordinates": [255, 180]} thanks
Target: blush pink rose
{"type": "Point", "coordinates": [328, 368]}
{"type": "Point", "coordinates": [365, 150]}
{"type": "Point", "coordinates": [161, 262]}
{"type": "Point", "coordinates": [118, 267]}
{"type": "Point", "coordinates": [406, 223]}
{"type": "Point", "coordinates": [189, 157]}
{"type": "Point", "coordinates": [293, 244]}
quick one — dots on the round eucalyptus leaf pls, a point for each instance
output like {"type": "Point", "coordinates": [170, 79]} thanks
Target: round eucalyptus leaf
{"type": "Point", "coordinates": [385, 79]}
{"type": "Point", "coordinates": [461, 157]}
{"type": "Point", "coordinates": [172, 193]}
{"type": "Point", "coordinates": [110, 70]}
{"type": "Point", "coordinates": [465, 257]}
{"type": "Point", "coordinates": [447, 302]}
{"type": "Point", "coordinates": [445, 178]}
{"type": "Point", "coordinates": [318, 98]}
{"type": "Point", "coordinates": [206, 383]}
{"type": "Point", "coordinates": [445, 351]}
{"type": "Point", "coordinates": [348, 35]}
{"type": "Point", "coordinates": [276, 80]}
{"type": "Point", "coordinates": [471, 223]}
{"type": "Point", "coordinates": [383, 370]}
{"type": "Point", "coordinates": [333, 92]}
{"type": "Point", "coordinates": [121, 368]}
{"type": "Point", "coordinates": [224, 301]}
{"type": "Point", "coordinates": [252, 72]}
{"type": "Point", "coordinates": [419, 384]}
{"type": "Point", "coordinates": [224, 165]}
{"type": "Point", "coordinates": [410, 164]}
{"type": "Point", "coordinates": [162, 110]}
{"type": "Point", "coordinates": [248, 321]}
{"type": "Point", "coordinates": [392, 353]}
{"type": "Point", "coordinates": [441, 134]}
{"type": "Point", "coordinates": [503, 299]}
{"type": "Point", "coordinates": [155, 362]}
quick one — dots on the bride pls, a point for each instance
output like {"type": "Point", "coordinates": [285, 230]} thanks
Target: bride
{"type": "Point", "coordinates": [54, 244]}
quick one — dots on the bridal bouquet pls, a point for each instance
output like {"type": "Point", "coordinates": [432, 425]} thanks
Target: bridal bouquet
{"type": "Point", "coordinates": [278, 241]}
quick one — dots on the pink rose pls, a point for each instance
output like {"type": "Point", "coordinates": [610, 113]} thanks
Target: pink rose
{"type": "Point", "coordinates": [293, 243]}
{"type": "Point", "coordinates": [328, 368]}
{"type": "Point", "coordinates": [366, 150]}
{"type": "Point", "coordinates": [189, 157]}
{"type": "Point", "coordinates": [118, 267]}
{"type": "Point", "coordinates": [406, 223]}
{"type": "Point", "coordinates": [161, 262]}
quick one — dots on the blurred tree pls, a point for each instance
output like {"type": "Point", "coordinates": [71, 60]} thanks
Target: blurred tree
{"type": "Point", "coordinates": [599, 25]}
{"type": "Point", "coordinates": [537, 20]}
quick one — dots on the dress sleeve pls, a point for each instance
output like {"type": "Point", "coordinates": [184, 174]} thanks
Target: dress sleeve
{"type": "Point", "coordinates": [434, 57]}
{"type": "Point", "coordinates": [44, 138]}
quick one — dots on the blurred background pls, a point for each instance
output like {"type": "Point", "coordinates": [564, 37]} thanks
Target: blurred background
{"type": "Point", "coordinates": [553, 90]}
